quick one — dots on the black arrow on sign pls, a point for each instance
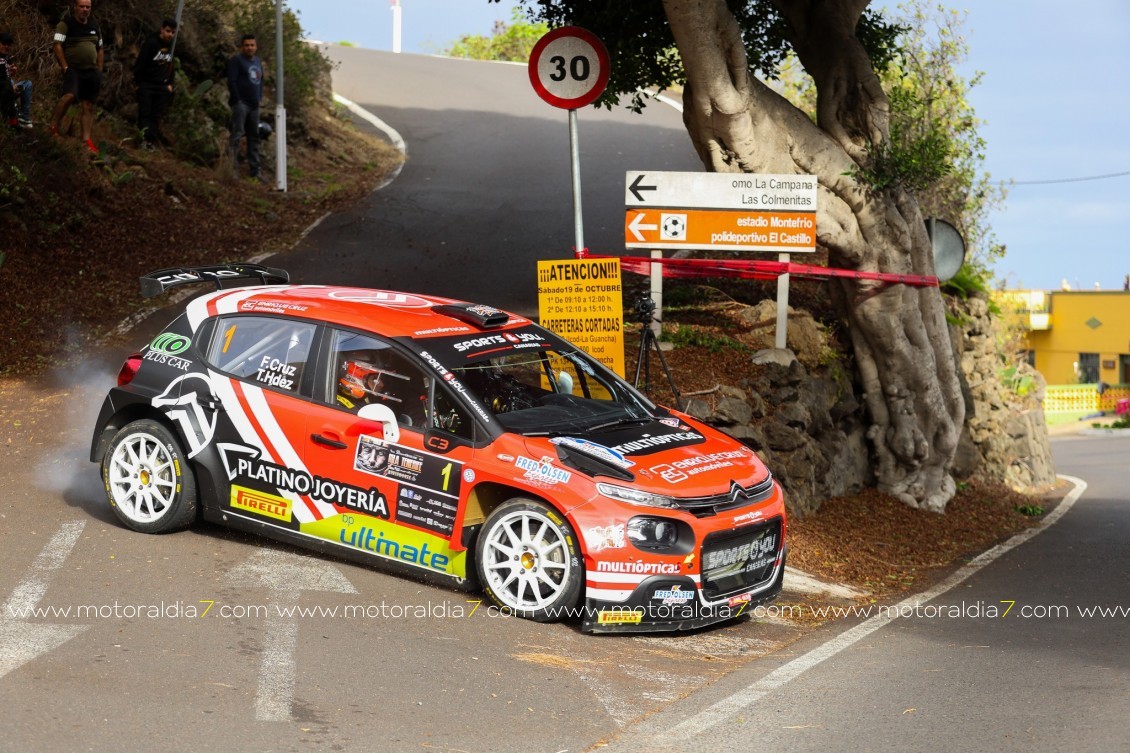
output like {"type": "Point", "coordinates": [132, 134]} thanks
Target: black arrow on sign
{"type": "Point", "coordinates": [635, 188]}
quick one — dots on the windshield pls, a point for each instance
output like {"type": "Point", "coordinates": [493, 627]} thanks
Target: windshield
{"type": "Point", "coordinates": [548, 392]}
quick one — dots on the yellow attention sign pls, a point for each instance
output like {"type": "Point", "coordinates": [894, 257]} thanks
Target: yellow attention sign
{"type": "Point", "coordinates": [581, 300]}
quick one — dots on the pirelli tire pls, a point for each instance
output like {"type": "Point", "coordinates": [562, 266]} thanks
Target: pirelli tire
{"type": "Point", "coordinates": [529, 562]}
{"type": "Point", "coordinates": [150, 485]}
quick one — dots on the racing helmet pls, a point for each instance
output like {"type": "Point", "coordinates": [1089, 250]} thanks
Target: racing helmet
{"type": "Point", "coordinates": [358, 378]}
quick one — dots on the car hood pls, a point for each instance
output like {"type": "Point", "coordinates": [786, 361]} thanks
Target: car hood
{"type": "Point", "coordinates": [665, 456]}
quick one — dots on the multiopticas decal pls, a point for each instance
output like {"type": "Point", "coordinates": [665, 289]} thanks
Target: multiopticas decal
{"type": "Point", "coordinates": [244, 462]}
{"type": "Point", "coordinates": [658, 441]}
{"type": "Point", "coordinates": [637, 568]}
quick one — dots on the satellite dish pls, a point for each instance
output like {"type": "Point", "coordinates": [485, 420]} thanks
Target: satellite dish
{"type": "Point", "coordinates": [949, 248]}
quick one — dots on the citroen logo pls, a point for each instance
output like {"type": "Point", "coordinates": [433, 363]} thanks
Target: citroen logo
{"type": "Point", "coordinates": [737, 493]}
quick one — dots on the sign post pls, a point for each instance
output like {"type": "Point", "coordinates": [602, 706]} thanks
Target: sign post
{"type": "Point", "coordinates": [725, 212]}
{"type": "Point", "coordinates": [569, 69]}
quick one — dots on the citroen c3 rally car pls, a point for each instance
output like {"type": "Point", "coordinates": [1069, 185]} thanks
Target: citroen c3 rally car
{"type": "Point", "coordinates": [449, 438]}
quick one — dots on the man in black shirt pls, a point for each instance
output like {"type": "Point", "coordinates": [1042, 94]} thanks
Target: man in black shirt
{"type": "Point", "coordinates": [78, 50]}
{"type": "Point", "coordinates": [153, 76]}
{"type": "Point", "coordinates": [245, 90]}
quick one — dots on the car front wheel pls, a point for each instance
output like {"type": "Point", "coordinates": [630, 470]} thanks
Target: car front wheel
{"type": "Point", "coordinates": [528, 561]}
{"type": "Point", "coordinates": [150, 486]}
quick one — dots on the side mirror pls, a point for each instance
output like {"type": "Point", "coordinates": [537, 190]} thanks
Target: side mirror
{"type": "Point", "coordinates": [381, 414]}
{"type": "Point", "coordinates": [564, 383]}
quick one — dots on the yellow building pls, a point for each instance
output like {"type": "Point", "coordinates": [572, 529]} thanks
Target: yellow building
{"type": "Point", "coordinates": [1076, 337]}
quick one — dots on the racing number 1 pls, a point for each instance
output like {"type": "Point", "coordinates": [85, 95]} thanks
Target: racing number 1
{"type": "Point", "coordinates": [446, 473]}
{"type": "Point", "coordinates": [578, 68]}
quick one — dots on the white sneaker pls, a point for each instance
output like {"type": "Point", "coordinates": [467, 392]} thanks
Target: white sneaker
{"type": "Point", "coordinates": [26, 124]}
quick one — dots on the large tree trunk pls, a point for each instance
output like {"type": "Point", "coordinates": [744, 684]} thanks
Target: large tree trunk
{"type": "Point", "coordinates": [898, 332]}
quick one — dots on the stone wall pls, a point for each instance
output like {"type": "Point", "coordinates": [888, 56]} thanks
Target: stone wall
{"type": "Point", "coordinates": [801, 411]}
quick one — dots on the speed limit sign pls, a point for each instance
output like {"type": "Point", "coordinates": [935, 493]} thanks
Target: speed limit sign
{"type": "Point", "coordinates": [569, 67]}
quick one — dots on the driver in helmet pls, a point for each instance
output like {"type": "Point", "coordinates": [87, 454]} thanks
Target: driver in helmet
{"type": "Point", "coordinates": [361, 381]}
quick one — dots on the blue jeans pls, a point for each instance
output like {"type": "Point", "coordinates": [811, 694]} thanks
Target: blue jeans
{"type": "Point", "coordinates": [23, 91]}
{"type": "Point", "coordinates": [245, 121]}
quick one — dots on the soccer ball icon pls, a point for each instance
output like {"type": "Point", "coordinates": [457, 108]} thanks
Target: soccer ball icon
{"type": "Point", "coordinates": [673, 227]}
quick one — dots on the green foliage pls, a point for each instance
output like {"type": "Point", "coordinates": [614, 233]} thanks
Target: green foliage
{"type": "Point", "coordinates": [1019, 383]}
{"type": "Point", "coordinates": [906, 162]}
{"type": "Point", "coordinates": [642, 49]}
{"type": "Point", "coordinates": [969, 280]}
{"type": "Point", "coordinates": [1033, 511]}
{"type": "Point", "coordinates": [511, 42]}
{"type": "Point", "coordinates": [686, 336]}
{"type": "Point", "coordinates": [13, 188]}
{"type": "Point", "coordinates": [928, 97]}
{"type": "Point", "coordinates": [195, 120]}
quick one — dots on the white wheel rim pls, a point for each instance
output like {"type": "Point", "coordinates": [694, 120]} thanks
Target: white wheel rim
{"type": "Point", "coordinates": [526, 560]}
{"type": "Point", "coordinates": [142, 478]}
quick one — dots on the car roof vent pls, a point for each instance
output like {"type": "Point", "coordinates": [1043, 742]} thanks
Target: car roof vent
{"type": "Point", "coordinates": [486, 317]}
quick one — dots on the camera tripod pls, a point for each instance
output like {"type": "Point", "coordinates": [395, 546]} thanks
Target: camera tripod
{"type": "Point", "coordinates": [649, 342]}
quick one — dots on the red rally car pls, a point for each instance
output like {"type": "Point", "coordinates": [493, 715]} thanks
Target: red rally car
{"type": "Point", "coordinates": [446, 438]}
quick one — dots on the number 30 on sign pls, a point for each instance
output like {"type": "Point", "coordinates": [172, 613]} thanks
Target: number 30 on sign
{"type": "Point", "coordinates": [569, 67]}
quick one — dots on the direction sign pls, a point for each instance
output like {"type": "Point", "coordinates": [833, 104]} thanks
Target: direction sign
{"type": "Point", "coordinates": [569, 67]}
{"type": "Point", "coordinates": [731, 211]}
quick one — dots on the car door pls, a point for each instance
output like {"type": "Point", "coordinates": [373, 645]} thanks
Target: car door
{"type": "Point", "coordinates": [399, 487]}
{"type": "Point", "coordinates": [261, 371]}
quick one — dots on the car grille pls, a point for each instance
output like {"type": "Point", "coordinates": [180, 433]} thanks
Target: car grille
{"type": "Point", "coordinates": [737, 496]}
{"type": "Point", "coordinates": [740, 560]}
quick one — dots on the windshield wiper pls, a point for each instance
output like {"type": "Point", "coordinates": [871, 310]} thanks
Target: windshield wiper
{"type": "Point", "coordinates": [626, 421]}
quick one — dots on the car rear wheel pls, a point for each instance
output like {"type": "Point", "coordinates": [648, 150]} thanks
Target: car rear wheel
{"type": "Point", "coordinates": [150, 486]}
{"type": "Point", "coordinates": [528, 562]}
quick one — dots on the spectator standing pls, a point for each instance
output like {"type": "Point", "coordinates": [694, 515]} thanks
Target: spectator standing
{"type": "Point", "coordinates": [78, 50]}
{"type": "Point", "coordinates": [245, 91]}
{"type": "Point", "coordinates": [153, 76]}
{"type": "Point", "coordinates": [15, 96]}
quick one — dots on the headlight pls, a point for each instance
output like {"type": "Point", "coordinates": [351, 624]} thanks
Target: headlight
{"type": "Point", "coordinates": [635, 496]}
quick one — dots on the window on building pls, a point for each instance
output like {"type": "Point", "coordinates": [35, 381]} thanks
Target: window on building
{"type": "Point", "coordinates": [1124, 369]}
{"type": "Point", "coordinates": [1088, 368]}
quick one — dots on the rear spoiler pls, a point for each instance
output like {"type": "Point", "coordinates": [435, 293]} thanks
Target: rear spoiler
{"type": "Point", "coordinates": [156, 283]}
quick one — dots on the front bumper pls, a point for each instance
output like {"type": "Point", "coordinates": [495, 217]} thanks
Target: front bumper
{"type": "Point", "coordinates": [662, 604]}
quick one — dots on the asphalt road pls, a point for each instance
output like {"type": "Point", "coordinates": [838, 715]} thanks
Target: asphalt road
{"type": "Point", "coordinates": [193, 641]}
{"type": "Point", "coordinates": [486, 191]}
{"type": "Point", "coordinates": [1027, 654]}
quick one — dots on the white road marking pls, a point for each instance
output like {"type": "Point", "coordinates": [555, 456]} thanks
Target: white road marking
{"type": "Point", "coordinates": [22, 641]}
{"type": "Point", "coordinates": [741, 700]}
{"type": "Point", "coordinates": [392, 134]}
{"type": "Point", "coordinates": [286, 576]}
{"type": "Point", "coordinates": [30, 590]}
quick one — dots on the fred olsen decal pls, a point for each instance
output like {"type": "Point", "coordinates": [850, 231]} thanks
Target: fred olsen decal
{"type": "Point", "coordinates": [673, 595]}
{"type": "Point", "coordinates": [543, 470]}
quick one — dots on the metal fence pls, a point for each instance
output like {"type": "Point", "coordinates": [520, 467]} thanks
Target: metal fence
{"type": "Point", "coordinates": [1083, 398]}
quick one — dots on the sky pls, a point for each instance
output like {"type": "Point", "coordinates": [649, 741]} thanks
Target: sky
{"type": "Point", "coordinates": [1055, 100]}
